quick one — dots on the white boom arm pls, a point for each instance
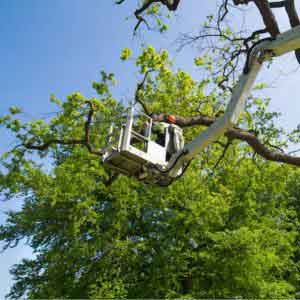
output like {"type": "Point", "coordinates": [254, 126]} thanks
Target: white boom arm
{"type": "Point", "coordinates": [284, 43]}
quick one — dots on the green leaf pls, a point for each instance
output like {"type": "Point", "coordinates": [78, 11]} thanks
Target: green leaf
{"type": "Point", "coordinates": [126, 54]}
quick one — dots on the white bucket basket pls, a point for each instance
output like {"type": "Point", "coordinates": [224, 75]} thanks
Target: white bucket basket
{"type": "Point", "coordinates": [135, 148]}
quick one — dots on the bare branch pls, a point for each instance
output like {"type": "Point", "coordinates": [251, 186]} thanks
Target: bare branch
{"type": "Point", "coordinates": [137, 97]}
{"type": "Point", "coordinates": [139, 12]}
{"type": "Point", "coordinates": [266, 13]}
{"type": "Point", "coordinates": [170, 4]}
{"type": "Point", "coordinates": [292, 13]}
{"type": "Point", "coordinates": [224, 8]}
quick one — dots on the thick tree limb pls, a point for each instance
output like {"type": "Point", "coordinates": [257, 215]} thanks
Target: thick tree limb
{"type": "Point", "coordinates": [202, 120]}
{"type": "Point", "coordinates": [171, 4]}
{"type": "Point", "coordinates": [292, 13]}
{"type": "Point", "coordinates": [268, 17]}
{"type": "Point", "coordinates": [235, 134]}
{"type": "Point", "coordinates": [290, 8]}
{"type": "Point", "coordinates": [266, 13]}
{"type": "Point", "coordinates": [277, 4]}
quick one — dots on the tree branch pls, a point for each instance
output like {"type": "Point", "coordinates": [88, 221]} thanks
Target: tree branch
{"type": "Point", "coordinates": [277, 4]}
{"type": "Point", "coordinates": [137, 97]}
{"type": "Point", "coordinates": [172, 5]}
{"type": "Point", "coordinates": [226, 147]}
{"type": "Point", "coordinates": [266, 13]}
{"type": "Point", "coordinates": [202, 120]}
{"type": "Point", "coordinates": [292, 13]}
{"type": "Point", "coordinates": [235, 134]}
{"type": "Point", "coordinates": [86, 141]}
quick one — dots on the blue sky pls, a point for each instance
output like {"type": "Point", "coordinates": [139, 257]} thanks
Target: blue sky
{"type": "Point", "coordinates": [59, 46]}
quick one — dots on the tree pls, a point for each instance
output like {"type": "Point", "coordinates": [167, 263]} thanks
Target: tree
{"type": "Point", "coordinates": [228, 228]}
{"type": "Point", "coordinates": [226, 49]}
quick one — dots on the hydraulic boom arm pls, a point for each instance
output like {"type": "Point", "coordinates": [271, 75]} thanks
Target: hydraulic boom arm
{"type": "Point", "coordinates": [284, 43]}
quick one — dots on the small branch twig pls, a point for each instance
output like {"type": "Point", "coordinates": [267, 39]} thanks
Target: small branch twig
{"type": "Point", "coordinates": [226, 147]}
{"type": "Point", "coordinates": [139, 88]}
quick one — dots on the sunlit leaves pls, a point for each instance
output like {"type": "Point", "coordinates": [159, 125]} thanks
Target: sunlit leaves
{"type": "Point", "coordinates": [126, 54]}
{"type": "Point", "coordinates": [150, 59]}
{"type": "Point", "coordinates": [199, 61]}
{"type": "Point", "coordinates": [14, 110]}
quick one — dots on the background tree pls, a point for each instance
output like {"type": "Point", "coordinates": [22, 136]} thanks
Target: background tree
{"type": "Point", "coordinates": [228, 228]}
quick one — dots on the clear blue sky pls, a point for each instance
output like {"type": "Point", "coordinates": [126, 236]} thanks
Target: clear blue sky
{"type": "Point", "coordinates": [59, 46]}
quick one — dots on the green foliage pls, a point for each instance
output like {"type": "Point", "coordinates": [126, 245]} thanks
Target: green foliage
{"type": "Point", "coordinates": [126, 53]}
{"type": "Point", "coordinates": [14, 110]}
{"type": "Point", "coordinates": [224, 232]}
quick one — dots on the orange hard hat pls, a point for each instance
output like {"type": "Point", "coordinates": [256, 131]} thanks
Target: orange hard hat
{"type": "Point", "coordinates": [171, 119]}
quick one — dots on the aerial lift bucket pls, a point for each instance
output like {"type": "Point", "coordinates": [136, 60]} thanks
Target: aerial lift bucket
{"type": "Point", "coordinates": [134, 148]}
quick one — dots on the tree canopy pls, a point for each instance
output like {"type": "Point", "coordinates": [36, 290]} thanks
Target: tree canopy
{"type": "Point", "coordinates": [228, 228]}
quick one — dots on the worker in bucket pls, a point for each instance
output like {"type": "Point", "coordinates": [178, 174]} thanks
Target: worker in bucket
{"type": "Point", "coordinates": [175, 140]}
